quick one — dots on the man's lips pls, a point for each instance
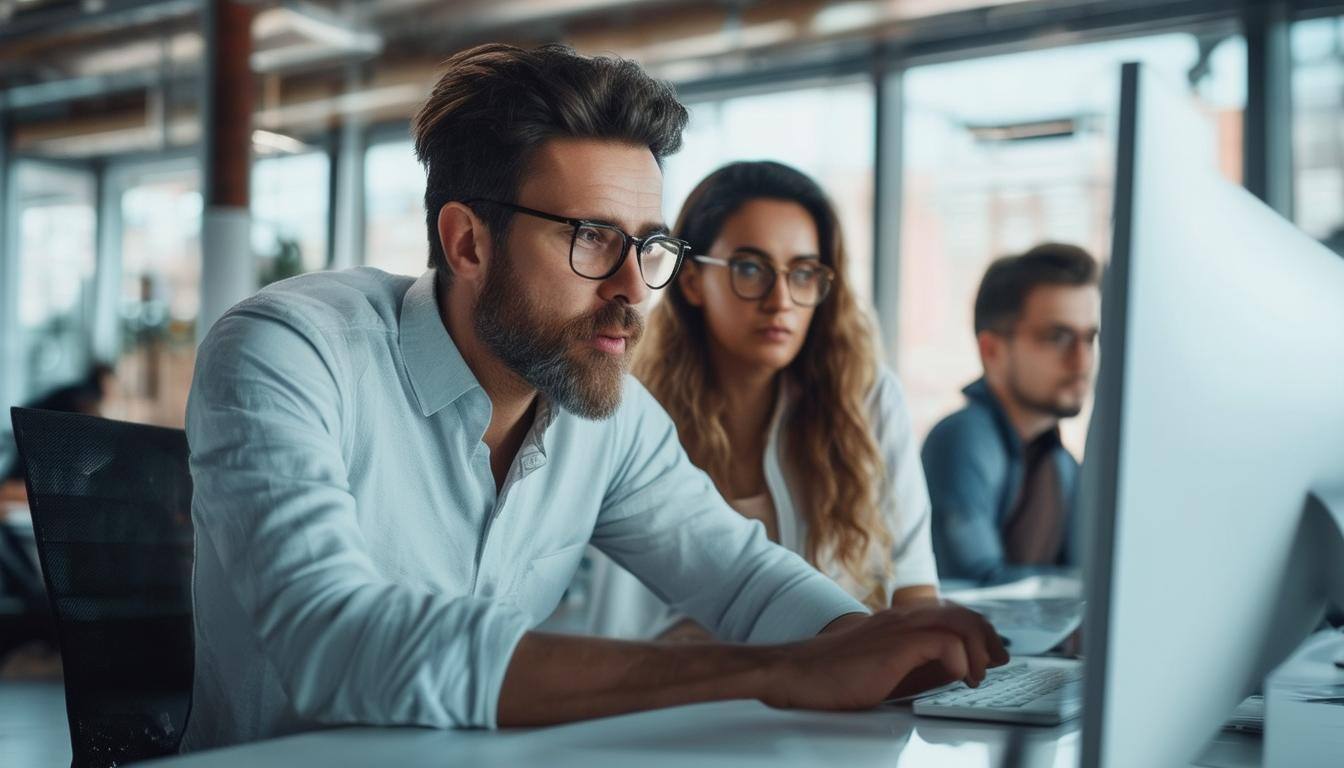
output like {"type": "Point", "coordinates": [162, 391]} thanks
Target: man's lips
{"type": "Point", "coordinates": [611, 343]}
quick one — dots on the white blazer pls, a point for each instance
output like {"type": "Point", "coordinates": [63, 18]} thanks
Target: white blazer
{"type": "Point", "coordinates": [618, 605]}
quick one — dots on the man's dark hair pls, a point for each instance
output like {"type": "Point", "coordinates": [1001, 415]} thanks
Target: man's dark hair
{"type": "Point", "coordinates": [496, 104]}
{"type": "Point", "coordinates": [1009, 280]}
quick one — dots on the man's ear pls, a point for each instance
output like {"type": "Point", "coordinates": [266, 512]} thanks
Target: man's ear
{"type": "Point", "coordinates": [991, 349]}
{"type": "Point", "coordinates": [465, 241]}
{"type": "Point", "coordinates": [689, 280]}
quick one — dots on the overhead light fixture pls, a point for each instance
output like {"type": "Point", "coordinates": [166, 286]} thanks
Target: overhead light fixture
{"type": "Point", "coordinates": [272, 143]}
{"type": "Point", "coordinates": [846, 17]}
{"type": "Point", "coordinates": [1039, 129]}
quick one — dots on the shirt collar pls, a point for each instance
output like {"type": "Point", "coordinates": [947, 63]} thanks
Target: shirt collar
{"type": "Point", "coordinates": [978, 391]}
{"type": "Point", "coordinates": [438, 374]}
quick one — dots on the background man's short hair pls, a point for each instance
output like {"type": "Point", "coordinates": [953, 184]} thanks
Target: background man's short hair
{"type": "Point", "coordinates": [496, 104]}
{"type": "Point", "coordinates": [1009, 280]}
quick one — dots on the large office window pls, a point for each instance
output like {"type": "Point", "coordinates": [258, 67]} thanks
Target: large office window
{"type": "Point", "coordinates": [160, 257]}
{"type": "Point", "coordinates": [394, 205]}
{"type": "Point", "coordinates": [1318, 129]}
{"type": "Point", "coordinates": [1008, 151]}
{"type": "Point", "coordinates": [289, 205]}
{"type": "Point", "coordinates": [825, 131]}
{"type": "Point", "coordinates": [56, 214]}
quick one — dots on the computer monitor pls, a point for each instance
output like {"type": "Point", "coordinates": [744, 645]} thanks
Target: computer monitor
{"type": "Point", "coordinates": [1219, 407]}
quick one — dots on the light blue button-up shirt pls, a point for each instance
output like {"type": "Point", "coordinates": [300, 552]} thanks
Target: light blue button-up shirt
{"type": "Point", "coordinates": [354, 562]}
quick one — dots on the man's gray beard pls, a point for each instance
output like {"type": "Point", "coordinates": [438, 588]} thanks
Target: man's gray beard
{"type": "Point", "coordinates": [538, 351]}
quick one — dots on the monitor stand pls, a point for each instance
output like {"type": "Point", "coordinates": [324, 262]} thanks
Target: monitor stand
{"type": "Point", "coordinates": [1312, 579]}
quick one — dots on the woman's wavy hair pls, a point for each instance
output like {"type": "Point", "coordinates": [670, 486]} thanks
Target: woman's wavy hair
{"type": "Point", "coordinates": [827, 438]}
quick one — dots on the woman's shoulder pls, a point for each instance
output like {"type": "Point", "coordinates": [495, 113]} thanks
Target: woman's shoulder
{"type": "Point", "coordinates": [886, 398]}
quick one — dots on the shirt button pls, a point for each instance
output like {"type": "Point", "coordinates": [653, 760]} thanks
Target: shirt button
{"type": "Point", "coordinates": [531, 462]}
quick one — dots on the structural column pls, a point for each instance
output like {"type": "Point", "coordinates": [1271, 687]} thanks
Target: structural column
{"type": "Point", "coordinates": [1269, 106]}
{"type": "Point", "coordinates": [11, 362]}
{"type": "Point", "coordinates": [347, 199]}
{"type": "Point", "coordinates": [887, 199]}
{"type": "Point", "coordinates": [228, 269]}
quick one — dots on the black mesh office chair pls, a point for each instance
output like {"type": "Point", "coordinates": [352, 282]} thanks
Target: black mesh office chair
{"type": "Point", "coordinates": [111, 505]}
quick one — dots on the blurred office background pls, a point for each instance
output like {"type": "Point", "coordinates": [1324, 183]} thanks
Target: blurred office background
{"type": "Point", "coordinates": [948, 131]}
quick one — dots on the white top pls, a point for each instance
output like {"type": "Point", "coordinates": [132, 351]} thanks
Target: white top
{"type": "Point", "coordinates": [759, 507]}
{"type": "Point", "coordinates": [620, 606]}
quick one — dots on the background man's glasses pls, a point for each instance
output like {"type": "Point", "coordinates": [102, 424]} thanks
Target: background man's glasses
{"type": "Point", "coordinates": [753, 277]}
{"type": "Point", "coordinates": [1063, 340]}
{"type": "Point", "coordinates": [597, 250]}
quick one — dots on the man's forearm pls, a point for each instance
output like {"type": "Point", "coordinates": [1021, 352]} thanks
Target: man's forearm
{"type": "Point", "coordinates": [856, 662]}
{"type": "Point", "coordinates": [562, 678]}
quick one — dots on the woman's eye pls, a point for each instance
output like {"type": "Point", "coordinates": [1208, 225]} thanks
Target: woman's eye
{"type": "Point", "coordinates": [747, 269]}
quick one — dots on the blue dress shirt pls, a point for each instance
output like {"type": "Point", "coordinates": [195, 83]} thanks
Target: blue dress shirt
{"type": "Point", "coordinates": [975, 465]}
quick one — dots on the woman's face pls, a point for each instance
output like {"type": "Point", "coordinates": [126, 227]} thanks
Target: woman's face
{"type": "Point", "coordinates": [766, 333]}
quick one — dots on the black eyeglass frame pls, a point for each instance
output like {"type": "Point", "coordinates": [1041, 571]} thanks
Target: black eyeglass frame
{"type": "Point", "coordinates": [626, 240]}
{"type": "Point", "coordinates": [775, 272]}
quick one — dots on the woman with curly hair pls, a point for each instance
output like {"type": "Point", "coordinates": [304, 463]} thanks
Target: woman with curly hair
{"type": "Point", "coordinates": [767, 364]}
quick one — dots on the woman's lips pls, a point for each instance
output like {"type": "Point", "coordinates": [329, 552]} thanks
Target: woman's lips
{"type": "Point", "coordinates": [774, 334]}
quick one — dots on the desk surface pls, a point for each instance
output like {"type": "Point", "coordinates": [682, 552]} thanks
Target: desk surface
{"type": "Point", "coordinates": [735, 733]}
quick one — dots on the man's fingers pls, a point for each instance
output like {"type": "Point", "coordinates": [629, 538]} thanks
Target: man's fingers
{"type": "Point", "coordinates": [955, 661]}
{"type": "Point", "coordinates": [968, 626]}
{"type": "Point", "coordinates": [998, 654]}
{"type": "Point", "coordinates": [926, 676]}
{"type": "Point", "coordinates": [981, 644]}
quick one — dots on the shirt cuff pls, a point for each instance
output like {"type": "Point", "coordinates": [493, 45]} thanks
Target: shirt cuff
{"type": "Point", "coordinates": [803, 611]}
{"type": "Point", "coordinates": [499, 639]}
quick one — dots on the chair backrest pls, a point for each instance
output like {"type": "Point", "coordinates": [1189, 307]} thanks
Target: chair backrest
{"type": "Point", "coordinates": [111, 506]}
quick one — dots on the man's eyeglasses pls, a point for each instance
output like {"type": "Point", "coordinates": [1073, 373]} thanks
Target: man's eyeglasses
{"type": "Point", "coordinates": [597, 250]}
{"type": "Point", "coordinates": [1062, 340]}
{"type": "Point", "coordinates": [753, 277]}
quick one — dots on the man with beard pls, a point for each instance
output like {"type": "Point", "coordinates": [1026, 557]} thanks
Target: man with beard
{"type": "Point", "coordinates": [1001, 483]}
{"type": "Point", "coordinates": [395, 478]}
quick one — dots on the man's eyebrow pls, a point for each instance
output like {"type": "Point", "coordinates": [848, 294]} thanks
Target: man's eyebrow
{"type": "Point", "coordinates": [647, 228]}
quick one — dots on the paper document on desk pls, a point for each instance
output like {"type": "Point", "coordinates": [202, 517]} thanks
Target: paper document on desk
{"type": "Point", "coordinates": [1033, 615]}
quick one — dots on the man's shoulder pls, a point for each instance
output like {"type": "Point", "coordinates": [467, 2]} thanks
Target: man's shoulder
{"type": "Point", "coordinates": [362, 298]}
{"type": "Point", "coordinates": [970, 430]}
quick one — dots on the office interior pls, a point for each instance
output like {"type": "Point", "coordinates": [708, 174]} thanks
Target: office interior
{"type": "Point", "coordinates": [947, 132]}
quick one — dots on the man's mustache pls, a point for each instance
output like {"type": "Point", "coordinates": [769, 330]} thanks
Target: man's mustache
{"type": "Point", "coordinates": [614, 315]}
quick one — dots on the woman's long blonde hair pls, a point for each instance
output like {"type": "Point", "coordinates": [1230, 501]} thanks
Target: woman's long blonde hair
{"type": "Point", "coordinates": [827, 437]}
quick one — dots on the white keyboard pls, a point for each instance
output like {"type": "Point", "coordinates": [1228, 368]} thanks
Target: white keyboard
{"type": "Point", "coordinates": [1045, 694]}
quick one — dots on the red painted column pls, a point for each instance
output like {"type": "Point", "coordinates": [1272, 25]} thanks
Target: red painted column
{"type": "Point", "coordinates": [228, 268]}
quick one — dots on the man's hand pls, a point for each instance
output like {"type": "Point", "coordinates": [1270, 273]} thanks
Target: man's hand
{"type": "Point", "coordinates": [866, 660]}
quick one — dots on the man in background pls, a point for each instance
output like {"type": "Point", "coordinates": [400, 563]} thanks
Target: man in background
{"type": "Point", "coordinates": [1001, 482]}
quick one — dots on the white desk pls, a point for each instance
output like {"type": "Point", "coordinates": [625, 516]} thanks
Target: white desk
{"type": "Point", "coordinates": [729, 734]}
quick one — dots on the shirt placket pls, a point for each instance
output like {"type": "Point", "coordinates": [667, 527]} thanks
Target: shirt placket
{"type": "Point", "coordinates": [531, 457]}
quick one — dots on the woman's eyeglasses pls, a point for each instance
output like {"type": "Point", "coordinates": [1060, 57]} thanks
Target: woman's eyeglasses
{"type": "Point", "coordinates": [753, 277]}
